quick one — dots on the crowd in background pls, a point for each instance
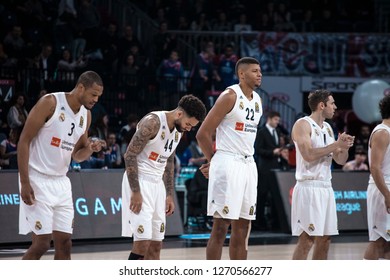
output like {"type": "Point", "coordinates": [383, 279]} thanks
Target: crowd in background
{"type": "Point", "coordinates": [61, 37]}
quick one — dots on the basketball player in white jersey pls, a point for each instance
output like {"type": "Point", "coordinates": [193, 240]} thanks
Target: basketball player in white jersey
{"type": "Point", "coordinates": [232, 171]}
{"type": "Point", "coordinates": [378, 192]}
{"type": "Point", "coordinates": [313, 215]}
{"type": "Point", "coordinates": [56, 131]}
{"type": "Point", "coordinates": [148, 182]}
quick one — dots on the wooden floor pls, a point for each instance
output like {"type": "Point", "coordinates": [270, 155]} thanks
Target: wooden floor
{"type": "Point", "coordinates": [263, 246]}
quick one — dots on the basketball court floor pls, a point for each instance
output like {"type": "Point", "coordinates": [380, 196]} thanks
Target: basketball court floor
{"type": "Point", "coordinates": [263, 245]}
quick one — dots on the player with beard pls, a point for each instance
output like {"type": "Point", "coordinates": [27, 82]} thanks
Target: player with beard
{"type": "Point", "coordinates": [148, 182]}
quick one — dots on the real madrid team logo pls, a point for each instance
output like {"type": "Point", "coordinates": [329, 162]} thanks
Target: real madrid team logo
{"type": "Point", "coordinates": [252, 210]}
{"type": "Point", "coordinates": [315, 130]}
{"type": "Point", "coordinates": [257, 108]}
{"type": "Point", "coordinates": [225, 210]}
{"type": "Point", "coordinates": [388, 232]}
{"type": "Point", "coordinates": [176, 136]}
{"type": "Point", "coordinates": [62, 117]}
{"type": "Point", "coordinates": [163, 135]}
{"type": "Point", "coordinates": [38, 225]}
{"type": "Point", "coordinates": [241, 105]}
{"type": "Point", "coordinates": [311, 227]}
{"type": "Point", "coordinates": [140, 229]}
{"type": "Point", "coordinates": [162, 227]}
{"type": "Point", "coordinates": [81, 121]}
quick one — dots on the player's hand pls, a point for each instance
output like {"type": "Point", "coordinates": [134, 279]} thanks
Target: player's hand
{"type": "Point", "coordinates": [136, 202]}
{"type": "Point", "coordinates": [170, 206]}
{"type": "Point", "coordinates": [204, 168]}
{"type": "Point", "coordinates": [27, 194]}
{"type": "Point", "coordinates": [345, 141]}
{"type": "Point", "coordinates": [96, 144]}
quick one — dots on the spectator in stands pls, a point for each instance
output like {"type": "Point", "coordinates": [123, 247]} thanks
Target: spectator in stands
{"type": "Point", "coordinates": [129, 77]}
{"type": "Point", "coordinates": [14, 44]}
{"type": "Point", "coordinates": [164, 43]}
{"type": "Point", "coordinates": [222, 23]}
{"type": "Point", "coordinates": [265, 23]}
{"type": "Point", "coordinates": [201, 23]}
{"type": "Point", "coordinates": [127, 132]}
{"type": "Point", "coordinates": [361, 140]}
{"type": "Point", "coordinates": [47, 63]}
{"type": "Point", "coordinates": [242, 24]}
{"type": "Point", "coordinates": [89, 23]}
{"type": "Point", "coordinates": [357, 164]}
{"type": "Point", "coordinates": [183, 23]}
{"type": "Point", "coordinates": [114, 151]}
{"type": "Point", "coordinates": [169, 74]}
{"type": "Point", "coordinates": [66, 25]}
{"type": "Point", "coordinates": [17, 113]}
{"type": "Point", "coordinates": [8, 150]}
{"type": "Point", "coordinates": [127, 40]}
{"type": "Point", "coordinates": [67, 65]}
{"type": "Point", "coordinates": [308, 22]}
{"type": "Point", "coordinates": [110, 44]}
{"type": "Point", "coordinates": [226, 73]}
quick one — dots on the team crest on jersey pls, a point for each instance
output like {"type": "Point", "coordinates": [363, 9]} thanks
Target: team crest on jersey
{"type": "Point", "coordinates": [38, 225]}
{"type": "Point", "coordinates": [153, 156]}
{"type": "Point", "coordinates": [62, 117]}
{"type": "Point", "coordinates": [162, 227]}
{"type": "Point", "coordinates": [225, 210]}
{"type": "Point", "coordinates": [329, 132]}
{"type": "Point", "coordinates": [311, 227]}
{"type": "Point", "coordinates": [388, 232]}
{"type": "Point", "coordinates": [251, 210]}
{"type": "Point", "coordinates": [81, 123]}
{"type": "Point", "coordinates": [162, 135]}
{"type": "Point", "coordinates": [257, 107]}
{"type": "Point", "coordinates": [140, 229]}
{"type": "Point", "coordinates": [317, 133]}
{"type": "Point", "coordinates": [176, 136]}
{"type": "Point", "coordinates": [239, 126]}
{"type": "Point", "coordinates": [241, 105]}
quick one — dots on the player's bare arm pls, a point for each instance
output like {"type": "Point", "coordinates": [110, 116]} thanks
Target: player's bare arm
{"type": "Point", "coordinates": [37, 117]}
{"type": "Point", "coordinates": [379, 142]}
{"type": "Point", "coordinates": [148, 128]}
{"type": "Point", "coordinates": [169, 181]}
{"type": "Point", "coordinates": [301, 133]}
{"type": "Point", "coordinates": [169, 174]}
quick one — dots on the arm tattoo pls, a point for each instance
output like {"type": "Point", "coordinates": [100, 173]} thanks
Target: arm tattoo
{"type": "Point", "coordinates": [147, 129]}
{"type": "Point", "coordinates": [169, 175]}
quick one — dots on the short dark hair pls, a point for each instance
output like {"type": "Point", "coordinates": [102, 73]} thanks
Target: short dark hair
{"type": "Point", "coordinates": [272, 114]}
{"type": "Point", "coordinates": [384, 107]}
{"type": "Point", "coordinates": [88, 78]}
{"type": "Point", "coordinates": [318, 96]}
{"type": "Point", "coordinates": [246, 60]}
{"type": "Point", "coordinates": [193, 107]}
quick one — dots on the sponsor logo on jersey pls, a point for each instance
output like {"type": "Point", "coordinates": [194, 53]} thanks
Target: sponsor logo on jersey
{"type": "Point", "coordinates": [257, 107]}
{"type": "Point", "coordinates": [81, 124]}
{"type": "Point", "coordinates": [153, 156]}
{"type": "Point", "coordinates": [241, 106]}
{"type": "Point", "coordinates": [62, 117]}
{"type": "Point", "coordinates": [55, 141]}
{"type": "Point", "coordinates": [239, 126]}
{"type": "Point", "coordinates": [163, 135]}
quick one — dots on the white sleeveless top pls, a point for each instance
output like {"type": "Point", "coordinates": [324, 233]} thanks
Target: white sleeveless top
{"type": "Point", "coordinates": [319, 169]}
{"type": "Point", "coordinates": [385, 168]}
{"type": "Point", "coordinates": [51, 149]}
{"type": "Point", "coordinates": [153, 159]}
{"type": "Point", "coordinates": [237, 131]}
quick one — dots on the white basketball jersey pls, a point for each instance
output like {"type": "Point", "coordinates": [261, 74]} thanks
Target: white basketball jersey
{"type": "Point", "coordinates": [385, 168]}
{"type": "Point", "coordinates": [237, 131]}
{"type": "Point", "coordinates": [51, 150]}
{"type": "Point", "coordinates": [153, 159]}
{"type": "Point", "coordinates": [319, 169]}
